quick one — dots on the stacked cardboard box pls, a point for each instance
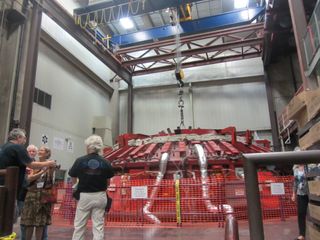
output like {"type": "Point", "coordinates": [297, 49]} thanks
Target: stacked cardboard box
{"type": "Point", "coordinates": [297, 109]}
{"type": "Point", "coordinates": [313, 103]}
{"type": "Point", "coordinates": [305, 108]}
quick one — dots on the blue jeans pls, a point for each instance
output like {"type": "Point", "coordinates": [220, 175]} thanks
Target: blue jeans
{"type": "Point", "coordinates": [45, 233]}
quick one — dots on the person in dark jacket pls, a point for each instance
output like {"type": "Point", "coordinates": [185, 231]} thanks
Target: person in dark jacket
{"type": "Point", "coordinates": [92, 173]}
{"type": "Point", "coordinates": [14, 153]}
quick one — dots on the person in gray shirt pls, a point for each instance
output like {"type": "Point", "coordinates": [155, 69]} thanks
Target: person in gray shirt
{"type": "Point", "coordinates": [300, 195]}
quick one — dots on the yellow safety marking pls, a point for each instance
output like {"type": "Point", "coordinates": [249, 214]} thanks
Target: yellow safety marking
{"type": "Point", "coordinates": [178, 207]}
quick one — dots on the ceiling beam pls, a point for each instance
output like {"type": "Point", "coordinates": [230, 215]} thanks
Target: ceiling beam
{"type": "Point", "coordinates": [206, 24]}
{"type": "Point", "coordinates": [191, 52]}
{"type": "Point", "coordinates": [199, 63]}
{"type": "Point", "coordinates": [185, 39]}
{"type": "Point", "coordinates": [148, 6]}
{"type": "Point", "coordinates": [64, 20]}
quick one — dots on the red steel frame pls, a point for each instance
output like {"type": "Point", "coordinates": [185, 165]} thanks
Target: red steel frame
{"type": "Point", "coordinates": [221, 154]}
{"type": "Point", "coordinates": [237, 43]}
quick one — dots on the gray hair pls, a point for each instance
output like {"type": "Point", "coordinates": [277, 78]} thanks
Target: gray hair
{"type": "Point", "coordinates": [31, 146]}
{"type": "Point", "coordinates": [94, 143]}
{"type": "Point", "coordinates": [48, 151]}
{"type": "Point", "coordinates": [15, 133]}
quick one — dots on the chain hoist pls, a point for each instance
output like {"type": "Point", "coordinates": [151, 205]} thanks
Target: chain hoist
{"type": "Point", "coordinates": [181, 105]}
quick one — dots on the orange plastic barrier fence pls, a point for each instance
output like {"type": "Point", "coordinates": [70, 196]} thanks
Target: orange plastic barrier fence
{"type": "Point", "coordinates": [199, 200]}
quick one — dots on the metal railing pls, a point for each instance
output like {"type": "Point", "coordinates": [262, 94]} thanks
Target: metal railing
{"type": "Point", "coordinates": [8, 194]}
{"type": "Point", "coordinates": [255, 160]}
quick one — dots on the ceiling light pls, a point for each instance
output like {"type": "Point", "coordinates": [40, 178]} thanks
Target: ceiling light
{"type": "Point", "coordinates": [126, 23]}
{"type": "Point", "coordinates": [240, 3]}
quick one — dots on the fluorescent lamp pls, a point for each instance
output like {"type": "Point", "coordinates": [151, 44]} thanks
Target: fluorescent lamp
{"type": "Point", "coordinates": [126, 23]}
{"type": "Point", "coordinates": [240, 3]}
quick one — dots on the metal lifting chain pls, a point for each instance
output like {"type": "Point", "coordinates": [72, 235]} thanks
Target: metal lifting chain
{"type": "Point", "coordinates": [181, 106]}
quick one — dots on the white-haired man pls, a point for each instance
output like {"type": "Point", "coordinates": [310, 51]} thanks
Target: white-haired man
{"type": "Point", "coordinates": [93, 172]}
{"type": "Point", "coordinates": [13, 153]}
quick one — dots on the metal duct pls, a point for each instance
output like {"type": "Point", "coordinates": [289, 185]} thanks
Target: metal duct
{"type": "Point", "coordinates": [203, 163]}
{"type": "Point", "coordinates": [162, 170]}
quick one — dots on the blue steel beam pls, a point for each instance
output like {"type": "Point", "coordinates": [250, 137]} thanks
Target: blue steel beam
{"type": "Point", "coordinates": [229, 19]}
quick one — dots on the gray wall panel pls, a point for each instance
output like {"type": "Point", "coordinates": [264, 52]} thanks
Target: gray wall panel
{"type": "Point", "coordinates": [241, 105]}
{"type": "Point", "coordinates": [75, 102]}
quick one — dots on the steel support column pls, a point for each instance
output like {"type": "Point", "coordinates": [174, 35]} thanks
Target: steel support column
{"type": "Point", "coordinates": [272, 113]}
{"type": "Point", "coordinates": [299, 25]}
{"type": "Point", "coordinates": [130, 109]}
{"type": "Point", "coordinates": [251, 163]}
{"type": "Point", "coordinates": [31, 67]}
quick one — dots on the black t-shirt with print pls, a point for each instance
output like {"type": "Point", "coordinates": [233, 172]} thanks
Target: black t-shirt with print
{"type": "Point", "coordinates": [93, 171]}
{"type": "Point", "coordinates": [14, 155]}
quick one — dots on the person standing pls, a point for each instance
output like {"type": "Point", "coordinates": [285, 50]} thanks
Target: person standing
{"type": "Point", "coordinates": [36, 213]}
{"type": "Point", "coordinates": [92, 173]}
{"type": "Point", "coordinates": [13, 153]}
{"type": "Point", "coordinates": [300, 195]}
{"type": "Point", "coordinates": [33, 152]}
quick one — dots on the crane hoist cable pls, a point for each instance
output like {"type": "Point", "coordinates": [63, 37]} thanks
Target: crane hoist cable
{"type": "Point", "coordinates": [181, 106]}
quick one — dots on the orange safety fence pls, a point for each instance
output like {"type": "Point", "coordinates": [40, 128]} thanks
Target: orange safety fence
{"type": "Point", "coordinates": [143, 202]}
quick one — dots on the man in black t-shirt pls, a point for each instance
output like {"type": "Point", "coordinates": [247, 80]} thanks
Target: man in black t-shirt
{"type": "Point", "coordinates": [93, 172]}
{"type": "Point", "coordinates": [13, 153]}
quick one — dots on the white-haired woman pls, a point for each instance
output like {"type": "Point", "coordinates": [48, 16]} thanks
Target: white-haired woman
{"type": "Point", "coordinates": [36, 213]}
{"type": "Point", "coordinates": [92, 173]}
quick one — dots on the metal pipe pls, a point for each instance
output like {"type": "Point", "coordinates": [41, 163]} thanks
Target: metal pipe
{"type": "Point", "coordinates": [252, 161]}
{"type": "Point", "coordinates": [231, 230]}
{"type": "Point", "coordinates": [301, 157]}
{"type": "Point", "coordinates": [203, 163]}
{"type": "Point", "coordinates": [162, 170]}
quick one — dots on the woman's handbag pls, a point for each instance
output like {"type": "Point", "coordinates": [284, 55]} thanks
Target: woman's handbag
{"type": "Point", "coordinates": [49, 195]}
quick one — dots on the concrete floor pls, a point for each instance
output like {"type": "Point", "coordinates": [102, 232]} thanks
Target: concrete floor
{"type": "Point", "coordinates": [274, 230]}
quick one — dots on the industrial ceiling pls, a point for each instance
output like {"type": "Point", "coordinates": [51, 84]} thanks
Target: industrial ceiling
{"type": "Point", "coordinates": [210, 31]}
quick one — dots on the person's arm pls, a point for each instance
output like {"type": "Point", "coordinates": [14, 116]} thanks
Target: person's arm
{"type": "Point", "coordinates": [294, 189]}
{"type": "Point", "coordinates": [74, 180]}
{"type": "Point", "coordinates": [34, 176]}
{"type": "Point", "coordinates": [73, 172]}
{"type": "Point", "coordinates": [35, 165]}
